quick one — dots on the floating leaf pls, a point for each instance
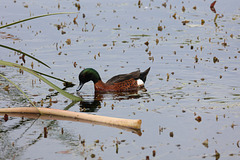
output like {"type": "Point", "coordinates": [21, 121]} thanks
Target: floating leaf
{"type": "Point", "coordinates": [217, 155]}
{"type": "Point", "coordinates": [68, 41]}
{"type": "Point", "coordinates": [205, 143]}
{"type": "Point", "coordinates": [216, 16]}
{"type": "Point", "coordinates": [168, 75]}
{"type": "Point", "coordinates": [6, 88]}
{"type": "Point", "coordinates": [196, 59]}
{"type": "Point", "coordinates": [212, 6]}
{"type": "Point", "coordinates": [5, 117]}
{"type": "Point", "coordinates": [146, 43]}
{"type": "Point", "coordinates": [198, 118]}
{"type": "Point", "coordinates": [215, 59]}
{"type": "Point", "coordinates": [183, 9]}
{"type": "Point", "coordinates": [160, 28]}
{"type": "Point", "coordinates": [153, 153]}
{"type": "Point", "coordinates": [45, 132]}
{"type": "Point", "coordinates": [74, 20]}
{"type": "Point", "coordinates": [185, 22]}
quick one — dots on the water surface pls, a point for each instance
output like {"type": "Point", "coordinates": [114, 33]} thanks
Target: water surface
{"type": "Point", "coordinates": [111, 37]}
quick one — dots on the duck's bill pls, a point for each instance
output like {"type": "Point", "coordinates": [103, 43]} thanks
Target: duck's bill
{"type": "Point", "coordinates": [80, 87]}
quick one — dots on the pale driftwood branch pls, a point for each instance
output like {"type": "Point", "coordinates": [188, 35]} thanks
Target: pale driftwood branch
{"type": "Point", "coordinates": [54, 117]}
{"type": "Point", "coordinates": [129, 123]}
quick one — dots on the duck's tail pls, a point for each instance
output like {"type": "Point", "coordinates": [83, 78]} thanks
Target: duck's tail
{"type": "Point", "coordinates": [143, 75]}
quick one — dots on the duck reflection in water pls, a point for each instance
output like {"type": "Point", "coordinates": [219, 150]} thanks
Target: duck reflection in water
{"type": "Point", "coordinates": [92, 103]}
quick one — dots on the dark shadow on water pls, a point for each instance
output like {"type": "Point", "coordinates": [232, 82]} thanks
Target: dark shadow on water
{"type": "Point", "coordinates": [92, 103]}
{"type": "Point", "coordinates": [89, 105]}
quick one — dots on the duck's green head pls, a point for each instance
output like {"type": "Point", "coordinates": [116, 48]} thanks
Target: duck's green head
{"type": "Point", "coordinates": [87, 75]}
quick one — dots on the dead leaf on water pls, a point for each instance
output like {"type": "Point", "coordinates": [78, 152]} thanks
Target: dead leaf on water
{"type": "Point", "coordinates": [216, 16]}
{"type": "Point", "coordinates": [45, 132]}
{"type": "Point", "coordinates": [50, 89]}
{"type": "Point", "coordinates": [185, 22]}
{"type": "Point", "coordinates": [41, 102]}
{"type": "Point", "coordinates": [164, 4]}
{"type": "Point", "coordinates": [160, 28]}
{"type": "Point", "coordinates": [4, 35]}
{"type": "Point", "coordinates": [205, 143]}
{"type": "Point", "coordinates": [183, 9]}
{"type": "Point", "coordinates": [224, 43]}
{"type": "Point", "coordinates": [74, 20]}
{"type": "Point", "coordinates": [6, 88]}
{"type": "Point", "coordinates": [32, 65]}
{"type": "Point", "coordinates": [196, 59]}
{"type": "Point", "coordinates": [153, 153]}
{"type": "Point", "coordinates": [233, 125]}
{"type": "Point", "coordinates": [146, 43]}
{"type": "Point", "coordinates": [168, 76]}
{"type": "Point", "coordinates": [77, 5]}
{"type": "Point", "coordinates": [25, 5]}
{"type": "Point", "coordinates": [5, 117]}
{"type": "Point", "coordinates": [139, 4]}
{"type": "Point", "coordinates": [198, 119]}
{"type": "Point", "coordinates": [212, 6]}
{"type": "Point", "coordinates": [174, 16]}
{"type": "Point", "coordinates": [215, 59]}
{"type": "Point", "coordinates": [75, 64]}
{"type": "Point", "coordinates": [68, 41]}
{"type": "Point", "coordinates": [171, 134]}
{"type": "Point", "coordinates": [217, 155]}
{"type": "Point", "coordinates": [64, 152]}
{"type": "Point", "coordinates": [23, 58]}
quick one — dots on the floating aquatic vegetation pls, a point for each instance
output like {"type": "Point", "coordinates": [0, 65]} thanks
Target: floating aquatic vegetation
{"type": "Point", "coordinates": [212, 6]}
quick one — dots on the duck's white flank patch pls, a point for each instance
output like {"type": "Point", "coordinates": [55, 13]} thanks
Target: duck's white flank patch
{"type": "Point", "coordinates": [140, 82]}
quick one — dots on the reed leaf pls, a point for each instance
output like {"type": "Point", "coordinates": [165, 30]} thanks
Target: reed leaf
{"type": "Point", "coordinates": [64, 93]}
{"type": "Point", "coordinates": [69, 84]}
{"type": "Point", "coordinates": [16, 50]}
{"type": "Point", "coordinates": [18, 89]}
{"type": "Point", "coordinates": [31, 18]}
{"type": "Point", "coordinates": [21, 92]}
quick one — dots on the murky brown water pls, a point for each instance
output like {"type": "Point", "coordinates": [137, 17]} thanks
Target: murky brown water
{"type": "Point", "coordinates": [198, 102]}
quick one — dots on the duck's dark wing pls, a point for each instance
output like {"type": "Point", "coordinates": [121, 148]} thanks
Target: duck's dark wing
{"type": "Point", "coordinates": [123, 77]}
{"type": "Point", "coordinates": [143, 75]}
